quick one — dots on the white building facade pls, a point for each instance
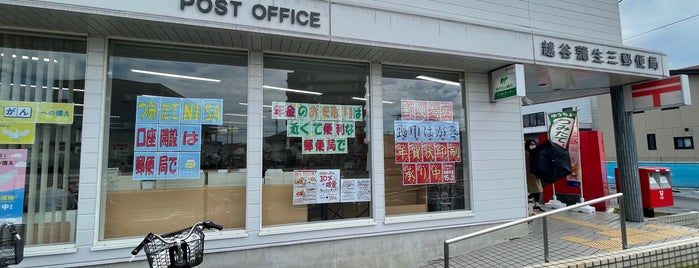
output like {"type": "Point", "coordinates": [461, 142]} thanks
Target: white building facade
{"type": "Point", "coordinates": [319, 133]}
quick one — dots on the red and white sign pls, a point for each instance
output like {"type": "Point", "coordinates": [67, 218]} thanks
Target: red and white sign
{"type": "Point", "coordinates": [667, 92]}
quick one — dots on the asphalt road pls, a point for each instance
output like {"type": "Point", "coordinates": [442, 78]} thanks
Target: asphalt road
{"type": "Point", "coordinates": [685, 200]}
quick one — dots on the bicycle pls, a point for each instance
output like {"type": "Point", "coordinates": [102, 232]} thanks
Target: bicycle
{"type": "Point", "coordinates": [178, 249]}
{"type": "Point", "coordinates": [12, 244]}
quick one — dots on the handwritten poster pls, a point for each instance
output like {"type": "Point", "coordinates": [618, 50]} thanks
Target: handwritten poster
{"type": "Point", "coordinates": [167, 137]}
{"type": "Point", "coordinates": [427, 142]}
{"type": "Point", "coordinates": [19, 118]}
{"type": "Point", "coordinates": [323, 128]}
{"type": "Point", "coordinates": [13, 165]}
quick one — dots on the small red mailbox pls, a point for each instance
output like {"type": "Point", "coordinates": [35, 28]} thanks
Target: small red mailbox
{"type": "Point", "coordinates": [656, 187]}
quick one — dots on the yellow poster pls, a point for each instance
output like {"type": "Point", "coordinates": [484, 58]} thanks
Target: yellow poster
{"type": "Point", "coordinates": [55, 113]}
{"type": "Point", "coordinates": [17, 133]}
{"type": "Point", "coordinates": [18, 112]}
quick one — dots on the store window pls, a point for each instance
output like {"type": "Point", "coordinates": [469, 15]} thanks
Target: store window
{"type": "Point", "coordinates": [176, 139]}
{"type": "Point", "coordinates": [42, 86]}
{"type": "Point", "coordinates": [315, 151]}
{"type": "Point", "coordinates": [684, 143]}
{"type": "Point", "coordinates": [424, 141]}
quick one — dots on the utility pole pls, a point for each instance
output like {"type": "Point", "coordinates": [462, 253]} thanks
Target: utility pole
{"type": "Point", "coordinates": [626, 157]}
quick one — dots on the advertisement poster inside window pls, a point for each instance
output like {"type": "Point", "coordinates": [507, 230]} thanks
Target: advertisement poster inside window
{"type": "Point", "coordinates": [167, 136]}
{"type": "Point", "coordinates": [316, 186]}
{"type": "Point", "coordinates": [427, 142]}
{"type": "Point", "coordinates": [323, 128]}
{"type": "Point", "coordinates": [13, 165]}
{"type": "Point", "coordinates": [355, 190]}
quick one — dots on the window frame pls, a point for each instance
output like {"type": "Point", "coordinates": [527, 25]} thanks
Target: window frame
{"type": "Point", "coordinates": [684, 140]}
{"type": "Point", "coordinates": [298, 64]}
{"type": "Point", "coordinates": [199, 55]}
{"type": "Point", "coordinates": [651, 142]}
{"type": "Point", "coordinates": [467, 209]}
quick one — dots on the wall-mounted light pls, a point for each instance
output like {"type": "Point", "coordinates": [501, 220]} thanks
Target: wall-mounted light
{"type": "Point", "coordinates": [293, 90]}
{"type": "Point", "coordinates": [177, 76]}
{"type": "Point", "coordinates": [429, 78]}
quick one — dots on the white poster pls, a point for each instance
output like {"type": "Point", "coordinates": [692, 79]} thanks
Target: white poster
{"type": "Point", "coordinates": [316, 186]}
{"type": "Point", "coordinates": [355, 190]}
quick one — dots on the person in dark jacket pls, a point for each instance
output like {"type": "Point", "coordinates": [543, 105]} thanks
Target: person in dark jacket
{"type": "Point", "coordinates": [534, 187]}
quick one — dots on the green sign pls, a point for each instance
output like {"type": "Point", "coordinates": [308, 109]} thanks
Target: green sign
{"type": "Point", "coordinates": [507, 82]}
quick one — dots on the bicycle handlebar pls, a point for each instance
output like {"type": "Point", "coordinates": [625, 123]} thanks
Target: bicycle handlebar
{"type": "Point", "coordinates": [211, 225]}
{"type": "Point", "coordinates": [13, 231]}
{"type": "Point", "coordinates": [208, 224]}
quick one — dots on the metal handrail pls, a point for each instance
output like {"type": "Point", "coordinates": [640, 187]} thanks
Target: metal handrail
{"type": "Point", "coordinates": [622, 222]}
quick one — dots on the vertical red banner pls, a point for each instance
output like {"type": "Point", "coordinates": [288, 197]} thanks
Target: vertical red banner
{"type": "Point", "coordinates": [409, 174]}
{"type": "Point", "coordinates": [415, 152]}
{"type": "Point", "coordinates": [436, 173]}
{"type": "Point", "coordinates": [448, 172]}
{"type": "Point", "coordinates": [441, 152]}
{"type": "Point", "coordinates": [407, 110]}
{"type": "Point", "coordinates": [401, 152]}
{"type": "Point", "coordinates": [454, 151]}
{"type": "Point", "coordinates": [446, 111]}
{"type": "Point", "coordinates": [428, 152]}
{"type": "Point", "coordinates": [423, 173]}
{"type": "Point", "coordinates": [433, 113]}
{"type": "Point", "coordinates": [421, 111]}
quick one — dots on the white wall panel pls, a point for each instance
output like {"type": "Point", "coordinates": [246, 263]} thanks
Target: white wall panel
{"type": "Point", "coordinates": [510, 12]}
{"type": "Point", "coordinates": [587, 20]}
{"type": "Point", "coordinates": [388, 27]}
{"type": "Point", "coordinates": [496, 147]}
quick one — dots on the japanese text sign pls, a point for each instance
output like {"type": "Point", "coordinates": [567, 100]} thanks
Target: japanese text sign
{"type": "Point", "coordinates": [426, 131]}
{"type": "Point", "coordinates": [324, 128]}
{"type": "Point", "coordinates": [561, 126]}
{"type": "Point", "coordinates": [507, 82]}
{"type": "Point", "coordinates": [19, 118]}
{"type": "Point", "coordinates": [588, 55]}
{"type": "Point", "coordinates": [13, 165]}
{"type": "Point", "coordinates": [167, 137]}
{"type": "Point", "coordinates": [316, 111]}
{"type": "Point", "coordinates": [425, 144]}
{"type": "Point", "coordinates": [163, 110]}
{"type": "Point", "coordinates": [316, 186]}
{"type": "Point", "coordinates": [426, 110]}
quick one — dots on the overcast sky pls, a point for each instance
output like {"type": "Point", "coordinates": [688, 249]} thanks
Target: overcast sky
{"type": "Point", "coordinates": [680, 40]}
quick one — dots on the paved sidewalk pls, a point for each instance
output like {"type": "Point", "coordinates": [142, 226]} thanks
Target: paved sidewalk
{"type": "Point", "coordinates": [571, 235]}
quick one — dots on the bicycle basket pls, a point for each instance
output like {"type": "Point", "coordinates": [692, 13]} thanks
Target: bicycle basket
{"type": "Point", "coordinates": [11, 248]}
{"type": "Point", "coordinates": [166, 255]}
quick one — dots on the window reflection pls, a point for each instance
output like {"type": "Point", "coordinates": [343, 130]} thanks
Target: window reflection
{"type": "Point", "coordinates": [299, 149]}
{"type": "Point", "coordinates": [140, 204]}
{"type": "Point", "coordinates": [425, 105]}
{"type": "Point", "coordinates": [41, 158]}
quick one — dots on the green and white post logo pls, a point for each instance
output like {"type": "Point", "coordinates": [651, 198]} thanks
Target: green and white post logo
{"type": "Point", "coordinates": [507, 82]}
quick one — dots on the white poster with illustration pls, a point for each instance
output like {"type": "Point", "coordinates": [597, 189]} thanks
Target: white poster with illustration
{"type": "Point", "coordinates": [316, 186]}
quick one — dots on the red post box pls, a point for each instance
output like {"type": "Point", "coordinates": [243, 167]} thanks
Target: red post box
{"type": "Point", "coordinates": [656, 186]}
